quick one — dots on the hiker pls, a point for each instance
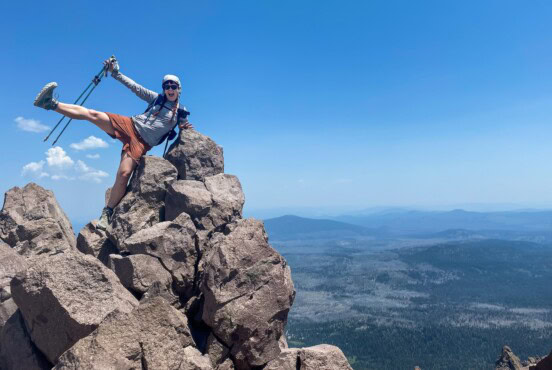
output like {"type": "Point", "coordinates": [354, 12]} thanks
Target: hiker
{"type": "Point", "coordinates": [138, 133]}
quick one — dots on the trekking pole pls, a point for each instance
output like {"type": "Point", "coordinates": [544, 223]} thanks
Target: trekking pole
{"type": "Point", "coordinates": [76, 101]}
{"type": "Point", "coordinates": [95, 82]}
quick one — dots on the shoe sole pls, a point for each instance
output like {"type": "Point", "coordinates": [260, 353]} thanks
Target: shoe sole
{"type": "Point", "coordinates": [45, 89]}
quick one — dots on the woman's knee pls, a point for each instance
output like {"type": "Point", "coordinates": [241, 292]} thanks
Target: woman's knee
{"type": "Point", "coordinates": [97, 117]}
{"type": "Point", "coordinates": [125, 173]}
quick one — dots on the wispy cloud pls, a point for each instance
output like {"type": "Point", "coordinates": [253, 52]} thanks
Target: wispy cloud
{"type": "Point", "coordinates": [34, 169]}
{"type": "Point", "coordinates": [61, 167]}
{"type": "Point", "coordinates": [30, 125]}
{"type": "Point", "coordinates": [93, 156]}
{"type": "Point", "coordinates": [90, 142]}
{"type": "Point", "coordinates": [91, 174]}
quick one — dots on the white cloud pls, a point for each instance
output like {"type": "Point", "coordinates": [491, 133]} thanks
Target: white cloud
{"type": "Point", "coordinates": [94, 175]}
{"type": "Point", "coordinates": [90, 174]}
{"type": "Point", "coordinates": [93, 156]}
{"type": "Point", "coordinates": [90, 142]}
{"type": "Point", "coordinates": [30, 125]}
{"type": "Point", "coordinates": [56, 157]}
{"type": "Point", "coordinates": [62, 167]}
{"type": "Point", "coordinates": [34, 169]}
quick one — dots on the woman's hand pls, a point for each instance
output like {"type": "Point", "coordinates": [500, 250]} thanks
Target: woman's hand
{"type": "Point", "coordinates": [185, 125]}
{"type": "Point", "coordinates": [112, 65]}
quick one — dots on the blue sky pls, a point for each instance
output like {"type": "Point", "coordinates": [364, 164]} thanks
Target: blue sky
{"type": "Point", "coordinates": [343, 104]}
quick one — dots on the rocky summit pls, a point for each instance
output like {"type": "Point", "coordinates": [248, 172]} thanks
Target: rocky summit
{"type": "Point", "coordinates": [178, 281]}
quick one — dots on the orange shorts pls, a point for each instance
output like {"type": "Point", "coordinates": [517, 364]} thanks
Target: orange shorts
{"type": "Point", "coordinates": [126, 133]}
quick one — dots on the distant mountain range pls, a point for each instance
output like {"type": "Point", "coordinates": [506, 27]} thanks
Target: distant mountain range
{"type": "Point", "coordinates": [415, 222]}
{"type": "Point", "coordinates": [453, 224]}
{"type": "Point", "coordinates": [295, 227]}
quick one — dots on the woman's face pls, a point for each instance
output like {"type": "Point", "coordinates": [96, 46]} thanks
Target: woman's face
{"type": "Point", "coordinates": [172, 90]}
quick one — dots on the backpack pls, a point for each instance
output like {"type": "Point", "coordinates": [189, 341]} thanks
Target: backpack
{"type": "Point", "coordinates": [181, 114]}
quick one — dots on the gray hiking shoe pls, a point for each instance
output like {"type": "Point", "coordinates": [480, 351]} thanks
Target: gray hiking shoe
{"type": "Point", "coordinates": [105, 218]}
{"type": "Point", "coordinates": [45, 98]}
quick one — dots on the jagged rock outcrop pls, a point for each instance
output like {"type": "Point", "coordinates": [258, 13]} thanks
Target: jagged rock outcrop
{"type": "Point", "coordinates": [144, 204]}
{"type": "Point", "coordinates": [195, 156]}
{"type": "Point", "coordinates": [508, 360]}
{"type": "Point", "coordinates": [66, 298]}
{"type": "Point", "coordinates": [248, 292]}
{"type": "Point", "coordinates": [95, 242]}
{"type": "Point", "coordinates": [32, 222]}
{"type": "Point", "coordinates": [213, 294]}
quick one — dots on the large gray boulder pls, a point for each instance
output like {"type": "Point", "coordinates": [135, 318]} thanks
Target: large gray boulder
{"type": "Point", "coordinates": [323, 357]}
{"type": "Point", "coordinates": [195, 156]}
{"type": "Point", "coordinates": [173, 243]}
{"type": "Point", "coordinates": [228, 198]}
{"type": "Point", "coordinates": [32, 222]}
{"type": "Point", "coordinates": [188, 196]}
{"type": "Point", "coordinates": [320, 357]}
{"type": "Point", "coordinates": [95, 242]}
{"type": "Point", "coordinates": [138, 272]}
{"type": "Point", "coordinates": [10, 264]}
{"type": "Point", "coordinates": [153, 336]}
{"type": "Point", "coordinates": [17, 351]}
{"type": "Point", "coordinates": [248, 293]}
{"type": "Point", "coordinates": [144, 203]}
{"type": "Point", "coordinates": [217, 201]}
{"type": "Point", "coordinates": [66, 297]}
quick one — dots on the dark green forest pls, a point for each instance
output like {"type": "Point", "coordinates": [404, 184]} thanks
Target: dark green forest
{"type": "Point", "coordinates": [370, 346]}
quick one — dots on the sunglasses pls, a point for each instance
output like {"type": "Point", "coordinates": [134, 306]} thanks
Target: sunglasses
{"type": "Point", "coordinates": [170, 87]}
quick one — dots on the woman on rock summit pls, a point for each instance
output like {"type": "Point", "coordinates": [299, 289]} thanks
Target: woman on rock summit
{"type": "Point", "coordinates": [138, 133]}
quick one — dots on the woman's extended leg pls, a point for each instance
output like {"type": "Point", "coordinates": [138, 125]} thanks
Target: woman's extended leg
{"type": "Point", "coordinates": [100, 119]}
{"type": "Point", "coordinates": [126, 167]}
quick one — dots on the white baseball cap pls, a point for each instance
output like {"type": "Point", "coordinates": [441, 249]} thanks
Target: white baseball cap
{"type": "Point", "coordinates": [172, 78]}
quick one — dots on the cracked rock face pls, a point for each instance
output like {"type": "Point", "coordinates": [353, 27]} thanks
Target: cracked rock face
{"type": "Point", "coordinates": [66, 298]}
{"type": "Point", "coordinates": [248, 293]}
{"type": "Point", "coordinates": [195, 156]}
{"type": "Point", "coordinates": [144, 203]}
{"type": "Point", "coordinates": [17, 351]}
{"type": "Point", "coordinates": [95, 242]}
{"type": "Point", "coordinates": [214, 203]}
{"type": "Point", "coordinates": [11, 263]}
{"type": "Point", "coordinates": [173, 243]}
{"type": "Point", "coordinates": [33, 223]}
{"type": "Point", "coordinates": [139, 272]}
{"type": "Point", "coordinates": [152, 336]}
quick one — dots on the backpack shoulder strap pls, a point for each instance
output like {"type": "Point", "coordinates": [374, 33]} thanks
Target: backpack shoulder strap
{"type": "Point", "coordinates": [160, 100]}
